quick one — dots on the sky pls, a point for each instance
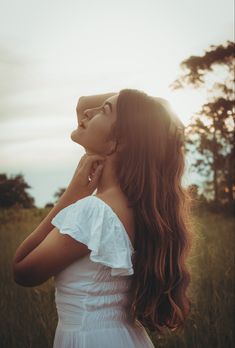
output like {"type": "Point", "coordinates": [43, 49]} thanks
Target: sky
{"type": "Point", "coordinates": [53, 52]}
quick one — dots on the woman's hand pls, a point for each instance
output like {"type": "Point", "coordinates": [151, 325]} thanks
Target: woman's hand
{"type": "Point", "coordinates": [86, 177]}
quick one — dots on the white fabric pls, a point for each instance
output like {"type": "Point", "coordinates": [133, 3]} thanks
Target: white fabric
{"type": "Point", "coordinates": [91, 294]}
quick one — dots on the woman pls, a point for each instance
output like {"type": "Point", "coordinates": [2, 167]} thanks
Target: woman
{"type": "Point", "coordinates": [117, 256]}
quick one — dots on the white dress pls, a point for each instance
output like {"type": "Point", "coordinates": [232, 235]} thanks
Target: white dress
{"type": "Point", "coordinates": [91, 293]}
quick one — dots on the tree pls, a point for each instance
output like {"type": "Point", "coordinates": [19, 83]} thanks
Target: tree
{"type": "Point", "coordinates": [13, 192]}
{"type": "Point", "coordinates": [211, 131]}
{"type": "Point", "coordinates": [59, 193]}
{"type": "Point", "coordinates": [49, 205]}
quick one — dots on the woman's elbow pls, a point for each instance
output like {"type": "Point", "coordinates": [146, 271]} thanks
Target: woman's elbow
{"type": "Point", "coordinates": [22, 278]}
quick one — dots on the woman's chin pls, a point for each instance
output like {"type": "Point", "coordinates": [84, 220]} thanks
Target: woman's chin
{"type": "Point", "coordinates": [74, 136]}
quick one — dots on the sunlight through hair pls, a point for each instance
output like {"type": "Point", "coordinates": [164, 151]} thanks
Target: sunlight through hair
{"type": "Point", "coordinates": [149, 166]}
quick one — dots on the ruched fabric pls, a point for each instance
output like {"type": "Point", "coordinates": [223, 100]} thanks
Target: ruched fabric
{"type": "Point", "coordinates": [92, 294]}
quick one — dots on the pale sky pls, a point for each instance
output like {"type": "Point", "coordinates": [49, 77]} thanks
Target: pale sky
{"type": "Point", "coordinates": [52, 52]}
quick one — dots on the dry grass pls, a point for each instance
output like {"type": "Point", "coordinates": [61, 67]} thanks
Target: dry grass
{"type": "Point", "coordinates": [28, 315]}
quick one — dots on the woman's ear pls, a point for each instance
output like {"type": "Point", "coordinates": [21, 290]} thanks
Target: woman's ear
{"type": "Point", "coordinates": [115, 147]}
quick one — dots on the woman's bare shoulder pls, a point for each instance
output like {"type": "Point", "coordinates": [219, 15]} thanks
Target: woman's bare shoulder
{"type": "Point", "coordinates": [119, 204]}
{"type": "Point", "coordinates": [114, 198]}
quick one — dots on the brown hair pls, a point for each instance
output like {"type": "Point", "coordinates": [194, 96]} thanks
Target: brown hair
{"type": "Point", "coordinates": [149, 166]}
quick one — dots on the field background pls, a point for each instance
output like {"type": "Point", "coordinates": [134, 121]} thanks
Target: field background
{"type": "Point", "coordinates": [29, 318]}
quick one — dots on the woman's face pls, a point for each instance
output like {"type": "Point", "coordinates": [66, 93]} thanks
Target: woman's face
{"type": "Point", "coordinates": [95, 126]}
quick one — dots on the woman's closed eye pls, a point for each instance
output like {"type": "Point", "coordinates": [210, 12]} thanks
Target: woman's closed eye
{"type": "Point", "coordinates": [87, 114]}
{"type": "Point", "coordinates": [101, 109]}
{"type": "Point", "coordinates": [106, 111]}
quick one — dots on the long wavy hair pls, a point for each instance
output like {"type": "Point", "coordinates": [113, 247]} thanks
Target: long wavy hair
{"type": "Point", "coordinates": [149, 166]}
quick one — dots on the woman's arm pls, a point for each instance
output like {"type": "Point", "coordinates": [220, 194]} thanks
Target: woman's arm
{"type": "Point", "coordinates": [78, 188]}
{"type": "Point", "coordinates": [39, 234]}
{"type": "Point", "coordinates": [71, 195]}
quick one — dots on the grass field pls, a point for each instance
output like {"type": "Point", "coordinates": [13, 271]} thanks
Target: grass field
{"type": "Point", "coordinates": [28, 315]}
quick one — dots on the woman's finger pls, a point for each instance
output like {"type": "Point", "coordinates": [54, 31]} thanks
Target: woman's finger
{"type": "Point", "coordinates": [95, 177]}
{"type": "Point", "coordinates": [90, 161]}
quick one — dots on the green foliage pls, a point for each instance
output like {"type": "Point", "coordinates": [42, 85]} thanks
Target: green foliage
{"type": "Point", "coordinates": [29, 315]}
{"type": "Point", "coordinates": [211, 132]}
{"type": "Point", "coordinates": [49, 205]}
{"type": "Point", "coordinates": [59, 193]}
{"type": "Point", "coordinates": [13, 192]}
{"type": "Point", "coordinates": [197, 67]}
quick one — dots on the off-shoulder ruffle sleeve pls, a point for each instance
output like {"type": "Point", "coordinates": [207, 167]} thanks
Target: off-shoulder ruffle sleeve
{"type": "Point", "coordinates": [90, 222]}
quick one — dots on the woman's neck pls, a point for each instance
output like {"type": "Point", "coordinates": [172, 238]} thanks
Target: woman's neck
{"type": "Point", "coordinates": [108, 179]}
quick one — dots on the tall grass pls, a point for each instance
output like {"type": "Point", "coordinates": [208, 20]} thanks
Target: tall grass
{"type": "Point", "coordinates": [28, 316]}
